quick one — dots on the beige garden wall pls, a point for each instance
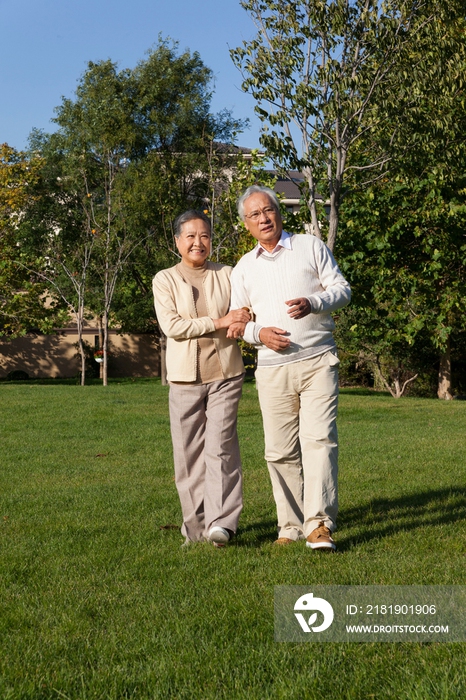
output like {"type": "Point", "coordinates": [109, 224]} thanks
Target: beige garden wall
{"type": "Point", "coordinates": [44, 356]}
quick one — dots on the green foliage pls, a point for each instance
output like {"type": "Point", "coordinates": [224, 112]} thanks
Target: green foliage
{"type": "Point", "coordinates": [134, 148]}
{"type": "Point", "coordinates": [403, 251]}
{"type": "Point", "coordinates": [22, 295]}
{"type": "Point", "coordinates": [231, 238]}
{"type": "Point", "coordinates": [349, 91]}
{"type": "Point", "coordinates": [128, 157]}
{"type": "Point", "coordinates": [330, 78]}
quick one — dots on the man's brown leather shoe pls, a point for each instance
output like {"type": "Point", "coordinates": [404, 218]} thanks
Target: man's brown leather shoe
{"type": "Point", "coordinates": [321, 538]}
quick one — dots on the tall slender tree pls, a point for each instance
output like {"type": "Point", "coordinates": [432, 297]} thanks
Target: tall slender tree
{"type": "Point", "coordinates": [330, 77]}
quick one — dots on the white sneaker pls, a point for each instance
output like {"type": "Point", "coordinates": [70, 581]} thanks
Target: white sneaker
{"type": "Point", "coordinates": [219, 536]}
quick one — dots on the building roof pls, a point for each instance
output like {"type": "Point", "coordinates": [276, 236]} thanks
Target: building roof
{"type": "Point", "coordinates": [288, 187]}
{"type": "Point", "coordinates": [231, 149]}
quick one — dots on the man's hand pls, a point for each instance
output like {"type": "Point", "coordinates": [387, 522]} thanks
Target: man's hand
{"type": "Point", "coordinates": [274, 338]}
{"type": "Point", "coordinates": [299, 307]}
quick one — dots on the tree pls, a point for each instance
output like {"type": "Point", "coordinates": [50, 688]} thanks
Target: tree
{"type": "Point", "coordinates": [404, 234]}
{"type": "Point", "coordinates": [22, 296]}
{"type": "Point", "coordinates": [233, 173]}
{"type": "Point", "coordinates": [128, 149]}
{"type": "Point", "coordinates": [331, 77]}
{"type": "Point", "coordinates": [404, 252]}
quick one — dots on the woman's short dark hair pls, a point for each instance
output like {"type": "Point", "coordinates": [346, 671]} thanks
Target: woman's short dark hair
{"type": "Point", "coordinates": [190, 215]}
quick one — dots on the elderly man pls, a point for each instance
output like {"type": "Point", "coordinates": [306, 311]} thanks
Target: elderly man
{"type": "Point", "coordinates": [292, 284]}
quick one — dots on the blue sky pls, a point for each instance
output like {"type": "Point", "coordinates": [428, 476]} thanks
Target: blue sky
{"type": "Point", "coordinates": [46, 44]}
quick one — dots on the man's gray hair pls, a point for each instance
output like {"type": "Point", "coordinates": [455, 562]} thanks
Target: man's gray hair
{"type": "Point", "coordinates": [257, 189]}
{"type": "Point", "coordinates": [190, 215]}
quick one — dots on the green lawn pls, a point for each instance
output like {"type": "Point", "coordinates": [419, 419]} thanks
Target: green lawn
{"type": "Point", "coordinates": [97, 601]}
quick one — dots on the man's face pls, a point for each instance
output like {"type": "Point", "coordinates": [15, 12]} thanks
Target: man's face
{"type": "Point", "coordinates": [267, 227]}
{"type": "Point", "coordinates": [193, 242]}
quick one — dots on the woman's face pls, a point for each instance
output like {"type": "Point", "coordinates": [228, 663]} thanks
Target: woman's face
{"type": "Point", "coordinates": [193, 242]}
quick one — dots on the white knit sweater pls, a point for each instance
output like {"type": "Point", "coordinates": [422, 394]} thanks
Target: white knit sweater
{"type": "Point", "coordinates": [264, 283]}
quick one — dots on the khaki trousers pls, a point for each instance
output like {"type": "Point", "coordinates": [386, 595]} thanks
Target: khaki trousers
{"type": "Point", "coordinates": [208, 472]}
{"type": "Point", "coordinates": [299, 404]}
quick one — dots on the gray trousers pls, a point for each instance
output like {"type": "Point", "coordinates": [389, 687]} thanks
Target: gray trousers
{"type": "Point", "coordinates": [208, 472]}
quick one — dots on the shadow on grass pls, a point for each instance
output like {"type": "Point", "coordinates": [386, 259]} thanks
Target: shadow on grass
{"type": "Point", "coordinates": [379, 518]}
{"type": "Point", "coordinates": [256, 534]}
{"type": "Point", "coordinates": [383, 517]}
{"type": "Point", "coordinates": [362, 391]}
{"type": "Point", "coordinates": [253, 535]}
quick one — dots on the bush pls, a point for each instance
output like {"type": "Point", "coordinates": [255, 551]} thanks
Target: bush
{"type": "Point", "coordinates": [16, 375]}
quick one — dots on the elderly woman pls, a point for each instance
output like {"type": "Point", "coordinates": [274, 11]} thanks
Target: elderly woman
{"type": "Point", "coordinates": [205, 371]}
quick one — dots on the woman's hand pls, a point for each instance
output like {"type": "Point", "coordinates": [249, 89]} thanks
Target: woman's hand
{"type": "Point", "coordinates": [236, 330]}
{"type": "Point", "coordinates": [234, 316]}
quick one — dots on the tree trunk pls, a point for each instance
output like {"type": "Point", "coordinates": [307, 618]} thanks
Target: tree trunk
{"type": "Point", "coordinates": [101, 346]}
{"type": "Point", "coordinates": [397, 388]}
{"type": "Point", "coordinates": [79, 323]}
{"type": "Point", "coordinates": [332, 229]}
{"type": "Point", "coordinates": [444, 374]}
{"type": "Point", "coordinates": [163, 359]}
{"type": "Point", "coordinates": [105, 362]}
{"type": "Point", "coordinates": [311, 203]}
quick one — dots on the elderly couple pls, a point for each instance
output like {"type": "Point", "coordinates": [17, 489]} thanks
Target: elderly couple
{"type": "Point", "coordinates": [281, 295]}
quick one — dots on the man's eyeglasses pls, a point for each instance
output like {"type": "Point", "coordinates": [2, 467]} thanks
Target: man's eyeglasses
{"type": "Point", "coordinates": [255, 215]}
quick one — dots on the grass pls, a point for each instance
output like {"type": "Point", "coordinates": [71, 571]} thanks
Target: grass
{"type": "Point", "coordinates": [98, 602]}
